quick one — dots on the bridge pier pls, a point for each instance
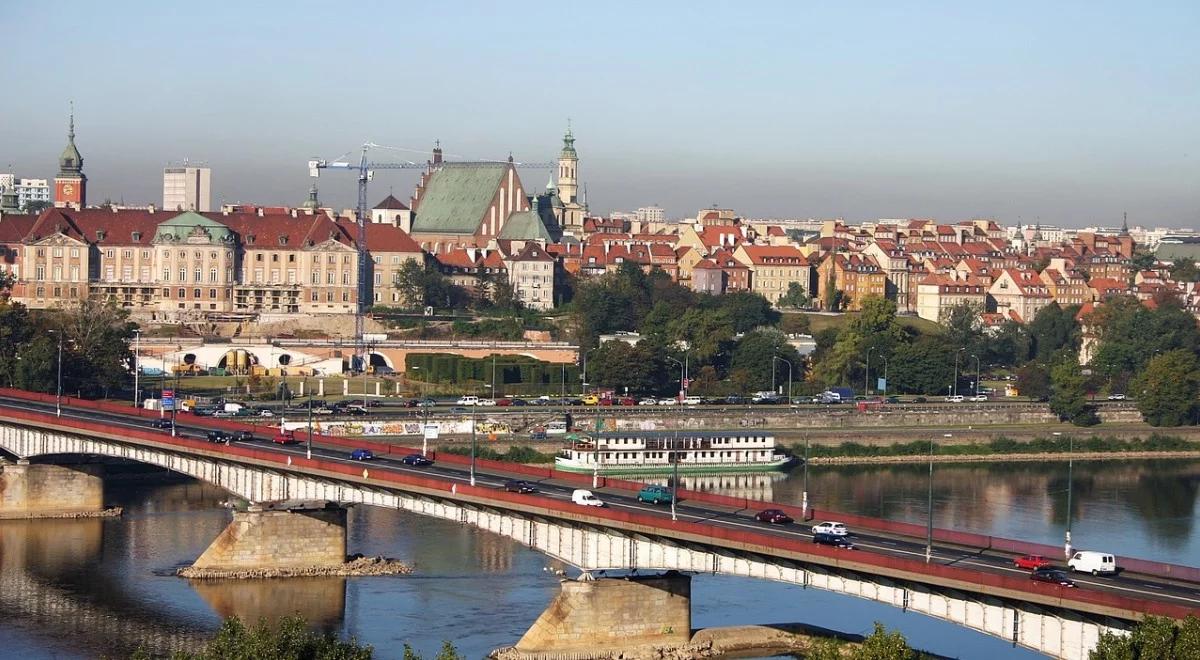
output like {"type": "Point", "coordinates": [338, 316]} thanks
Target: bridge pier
{"type": "Point", "coordinates": [605, 614]}
{"type": "Point", "coordinates": [38, 490]}
{"type": "Point", "coordinates": [301, 535]}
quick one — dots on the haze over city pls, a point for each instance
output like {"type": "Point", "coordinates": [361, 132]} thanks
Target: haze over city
{"type": "Point", "coordinates": [1066, 114]}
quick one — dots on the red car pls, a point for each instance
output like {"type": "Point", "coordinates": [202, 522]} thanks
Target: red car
{"type": "Point", "coordinates": [504, 402]}
{"type": "Point", "coordinates": [773, 516]}
{"type": "Point", "coordinates": [1031, 562]}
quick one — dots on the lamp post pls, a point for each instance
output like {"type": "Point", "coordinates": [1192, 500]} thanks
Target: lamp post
{"type": "Point", "coordinates": [929, 509]}
{"type": "Point", "coordinates": [58, 395]}
{"type": "Point", "coordinates": [493, 375]}
{"type": "Point", "coordinates": [679, 397]}
{"type": "Point", "coordinates": [885, 378]}
{"type": "Point", "coordinates": [365, 362]}
{"type": "Point", "coordinates": [976, 374]}
{"type": "Point", "coordinates": [804, 497]}
{"type": "Point", "coordinates": [1070, 482]}
{"type": "Point", "coordinates": [308, 391]}
{"type": "Point", "coordinates": [162, 385]}
{"type": "Point", "coordinates": [473, 441]}
{"type": "Point", "coordinates": [175, 403]}
{"type": "Point", "coordinates": [137, 367]}
{"type": "Point", "coordinates": [674, 471]}
{"type": "Point", "coordinates": [867, 374]}
{"type": "Point", "coordinates": [789, 364]}
{"type": "Point", "coordinates": [955, 384]}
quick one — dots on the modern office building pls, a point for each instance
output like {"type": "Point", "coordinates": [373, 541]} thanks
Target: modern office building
{"type": "Point", "coordinates": [187, 189]}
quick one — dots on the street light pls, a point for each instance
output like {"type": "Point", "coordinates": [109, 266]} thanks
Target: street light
{"type": "Point", "coordinates": [137, 367]}
{"type": "Point", "coordinates": [1070, 482]}
{"type": "Point", "coordinates": [885, 369]}
{"type": "Point", "coordinates": [929, 509]}
{"type": "Point", "coordinates": [473, 407]}
{"type": "Point", "coordinates": [679, 397]}
{"type": "Point", "coordinates": [307, 391]}
{"type": "Point", "coordinates": [804, 497]}
{"type": "Point", "coordinates": [867, 374]}
{"type": "Point", "coordinates": [789, 364]}
{"type": "Point", "coordinates": [58, 395]}
{"type": "Point", "coordinates": [956, 354]}
{"type": "Point", "coordinates": [976, 374]}
{"type": "Point", "coordinates": [674, 472]}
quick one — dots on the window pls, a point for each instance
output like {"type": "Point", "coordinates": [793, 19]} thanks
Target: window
{"type": "Point", "coordinates": [345, 296]}
{"type": "Point", "coordinates": [41, 292]}
{"type": "Point", "coordinates": [57, 252]}
{"type": "Point", "coordinates": [74, 252]}
{"type": "Point", "coordinates": [145, 274]}
{"type": "Point", "coordinates": [182, 254]}
{"type": "Point", "coordinates": [328, 296]}
{"type": "Point", "coordinates": [183, 293]}
{"type": "Point", "coordinates": [128, 254]}
{"type": "Point", "coordinates": [314, 296]}
{"type": "Point", "coordinates": [109, 272]}
{"type": "Point", "coordinates": [212, 293]}
{"type": "Point", "coordinates": [127, 273]}
{"type": "Point", "coordinates": [41, 252]}
{"type": "Point", "coordinates": [58, 292]}
{"type": "Point", "coordinates": [316, 278]}
{"type": "Point", "coordinates": [166, 293]}
{"type": "Point", "coordinates": [145, 254]}
{"type": "Point", "coordinates": [166, 276]}
{"type": "Point", "coordinates": [183, 273]}
{"type": "Point", "coordinates": [212, 255]}
{"type": "Point", "coordinates": [395, 260]}
{"type": "Point", "coordinates": [195, 293]}
{"type": "Point", "coordinates": [41, 273]}
{"type": "Point", "coordinates": [345, 278]}
{"type": "Point", "coordinates": [291, 276]}
{"type": "Point", "coordinates": [378, 279]}
{"type": "Point", "coordinates": [212, 275]}
{"type": "Point", "coordinates": [331, 260]}
{"type": "Point", "coordinates": [291, 258]}
{"type": "Point", "coordinates": [198, 254]}
{"type": "Point", "coordinates": [74, 273]}
{"type": "Point", "coordinates": [258, 256]}
{"type": "Point", "coordinates": [258, 275]}
{"type": "Point", "coordinates": [199, 276]}
{"type": "Point", "coordinates": [346, 259]}
{"type": "Point", "coordinates": [329, 277]}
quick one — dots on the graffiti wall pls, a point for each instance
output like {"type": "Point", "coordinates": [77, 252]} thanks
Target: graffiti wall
{"type": "Point", "coordinates": [399, 427]}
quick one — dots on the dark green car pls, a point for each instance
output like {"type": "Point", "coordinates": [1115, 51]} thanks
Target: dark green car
{"type": "Point", "coordinates": [655, 495]}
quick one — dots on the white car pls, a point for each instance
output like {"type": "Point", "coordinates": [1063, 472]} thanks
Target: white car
{"type": "Point", "coordinates": [486, 402]}
{"type": "Point", "coordinates": [648, 402]}
{"type": "Point", "coordinates": [957, 398]}
{"type": "Point", "coordinates": [585, 498]}
{"type": "Point", "coordinates": [668, 402]}
{"type": "Point", "coordinates": [979, 397]}
{"type": "Point", "coordinates": [692, 401]}
{"type": "Point", "coordinates": [470, 400]}
{"type": "Point", "coordinates": [1116, 397]}
{"type": "Point", "coordinates": [834, 528]}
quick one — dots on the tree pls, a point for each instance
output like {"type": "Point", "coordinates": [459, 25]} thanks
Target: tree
{"type": "Point", "coordinates": [1052, 329]}
{"type": "Point", "coordinates": [752, 357]}
{"type": "Point", "coordinates": [36, 206]}
{"type": "Point", "coordinates": [504, 297]}
{"type": "Point", "coordinates": [1142, 260]}
{"type": "Point", "coordinates": [1166, 390]}
{"type": "Point", "coordinates": [618, 365]}
{"type": "Point", "coordinates": [795, 298]}
{"type": "Point", "coordinates": [922, 367]}
{"type": "Point", "coordinates": [15, 331]}
{"type": "Point", "coordinates": [1008, 347]}
{"type": "Point", "coordinates": [748, 310]}
{"type": "Point", "coordinates": [1185, 270]}
{"type": "Point", "coordinates": [963, 327]}
{"type": "Point", "coordinates": [1033, 381]}
{"type": "Point", "coordinates": [795, 324]}
{"type": "Point", "coordinates": [1129, 333]}
{"type": "Point", "coordinates": [1068, 394]}
{"type": "Point", "coordinates": [290, 638]}
{"type": "Point", "coordinates": [884, 645]}
{"type": "Point", "coordinates": [1152, 637]}
{"type": "Point", "coordinates": [36, 365]}
{"type": "Point", "coordinates": [875, 326]}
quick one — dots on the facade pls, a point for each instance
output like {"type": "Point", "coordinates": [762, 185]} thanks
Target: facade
{"type": "Point", "coordinates": [31, 190]}
{"type": "Point", "coordinates": [938, 293]}
{"type": "Point", "coordinates": [855, 275]}
{"type": "Point", "coordinates": [531, 274]}
{"type": "Point", "coordinates": [708, 278]}
{"type": "Point", "coordinates": [392, 211]}
{"type": "Point", "coordinates": [773, 268]}
{"type": "Point", "coordinates": [459, 205]}
{"type": "Point", "coordinates": [1066, 287]}
{"type": "Point", "coordinates": [70, 186]}
{"type": "Point", "coordinates": [390, 249]}
{"type": "Point", "coordinates": [567, 205]}
{"type": "Point", "coordinates": [651, 214]}
{"type": "Point", "coordinates": [187, 189]}
{"type": "Point", "coordinates": [1019, 294]}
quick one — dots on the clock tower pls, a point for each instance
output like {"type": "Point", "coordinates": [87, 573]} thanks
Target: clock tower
{"type": "Point", "coordinates": [70, 186]}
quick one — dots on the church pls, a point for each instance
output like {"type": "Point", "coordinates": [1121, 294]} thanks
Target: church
{"type": "Point", "coordinates": [472, 204]}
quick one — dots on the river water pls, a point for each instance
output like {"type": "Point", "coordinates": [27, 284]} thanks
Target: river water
{"type": "Point", "coordinates": [89, 588]}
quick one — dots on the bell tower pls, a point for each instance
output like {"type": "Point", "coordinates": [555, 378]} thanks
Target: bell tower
{"type": "Point", "coordinates": [70, 186]}
{"type": "Point", "coordinates": [568, 163]}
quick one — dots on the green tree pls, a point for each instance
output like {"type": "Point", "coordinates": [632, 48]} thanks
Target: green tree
{"type": "Point", "coordinates": [1185, 270]}
{"type": "Point", "coordinates": [618, 365]}
{"type": "Point", "coordinates": [1152, 638]}
{"type": "Point", "coordinates": [963, 327]}
{"type": "Point", "coordinates": [748, 310]}
{"type": "Point", "coordinates": [922, 367]}
{"type": "Point", "coordinates": [35, 206]}
{"type": "Point", "coordinates": [874, 327]}
{"type": "Point", "coordinates": [1142, 260]}
{"type": "Point", "coordinates": [289, 638]}
{"type": "Point", "coordinates": [1008, 347]}
{"type": "Point", "coordinates": [752, 357]}
{"type": "Point", "coordinates": [1053, 329]}
{"type": "Point", "coordinates": [795, 298]}
{"type": "Point", "coordinates": [882, 644]}
{"type": "Point", "coordinates": [35, 365]}
{"type": "Point", "coordinates": [16, 330]}
{"type": "Point", "coordinates": [1166, 390]}
{"type": "Point", "coordinates": [1128, 333]}
{"type": "Point", "coordinates": [1033, 381]}
{"type": "Point", "coordinates": [1068, 394]}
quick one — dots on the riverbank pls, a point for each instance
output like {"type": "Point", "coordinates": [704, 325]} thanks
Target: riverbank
{"type": "Point", "coordinates": [109, 512]}
{"type": "Point", "coordinates": [1003, 458]}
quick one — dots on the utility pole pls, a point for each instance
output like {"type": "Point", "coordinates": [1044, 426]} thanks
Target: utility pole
{"type": "Point", "coordinates": [137, 368]}
{"type": "Point", "coordinates": [175, 403]}
{"type": "Point", "coordinates": [929, 509]}
{"type": "Point", "coordinates": [867, 374]}
{"type": "Point", "coordinates": [1070, 482]}
{"type": "Point", "coordinates": [473, 442]}
{"type": "Point", "coordinates": [976, 374]}
{"type": "Point", "coordinates": [675, 470]}
{"type": "Point", "coordinates": [885, 378]}
{"type": "Point", "coordinates": [308, 452]}
{"type": "Point", "coordinates": [58, 396]}
{"type": "Point", "coordinates": [956, 355]}
{"type": "Point", "coordinates": [804, 497]}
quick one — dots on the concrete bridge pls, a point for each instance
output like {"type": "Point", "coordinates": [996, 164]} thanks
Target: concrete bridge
{"type": "Point", "coordinates": [970, 586]}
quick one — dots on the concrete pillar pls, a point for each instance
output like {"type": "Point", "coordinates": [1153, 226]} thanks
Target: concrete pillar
{"type": "Point", "coordinates": [302, 384]}
{"type": "Point", "coordinates": [397, 388]}
{"type": "Point", "coordinates": [377, 390]}
{"type": "Point", "coordinates": [279, 538]}
{"type": "Point", "coordinates": [346, 387]}
{"type": "Point", "coordinates": [33, 490]}
{"type": "Point", "coordinates": [321, 387]}
{"type": "Point", "coordinates": [614, 613]}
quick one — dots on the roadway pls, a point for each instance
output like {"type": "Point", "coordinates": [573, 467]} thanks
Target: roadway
{"type": "Point", "coordinates": [1128, 584]}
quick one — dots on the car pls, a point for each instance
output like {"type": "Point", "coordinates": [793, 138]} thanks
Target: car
{"type": "Point", "coordinates": [920, 399]}
{"type": "Point", "coordinates": [486, 402]}
{"type": "Point", "coordinates": [892, 399]}
{"type": "Point", "coordinates": [374, 403]}
{"type": "Point", "coordinates": [285, 437]}
{"type": "Point", "coordinates": [504, 402]}
{"type": "Point", "coordinates": [834, 540]}
{"type": "Point", "coordinates": [766, 400]}
{"type": "Point", "coordinates": [957, 398]}
{"type": "Point", "coordinates": [417, 460]}
{"type": "Point", "coordinates": [979, 398]}
{"type": "Point", "coordinates": [585, 498]}
{"type": "Point", "coordinates": [735, 400]}
{"type": "Point", "coordinates": [627, 401]}
{"type": "Point", "coordinates": [458, 409]}
{"type": "Point", "coordinates": [1116, 397]}
{"type": "Point", "coordinates": [773, 516]}
{"type": "Point", "coordinates": [655, 495]}
{"type": "Point", "coordinates": [219, 436]}
{"type": "Point", "coordinates": [323, 410]}
{"type": "Point", "coordinates": [1031, 562]}
{"type": "Point", "coordinates": [244, 435]}
{"type": "Point", "coordinates": [1096, 563]}
{"type": "Point", "coordinates": [519, 486]}
{"type": "Point", "coordinates": [411, 403]}
{"type": "Point", "coordinates": [668, 402]}
{"type": "Point", "coordinates": [1052, 576]}
{"type": "Point", "coordinates": [692, 400]}
{"type": "Point", "coordinates": [224, 413]}
{"type": "Point", "coordinates": [206, 411]}
{"type": "Point", "coordinates": [355, 411]}
{"type": "Point", "coordinates": [835, 528]}
{"type": "Point", "coordinates": [162, 423]}
{"type": "Point", "coordinates": [591, 400]}
{"type": "Point", "coordinates": [519, 402]}
{"type": "Point", "coordinates": [383, 370]}
{"type": "Point", "coordinates": [469, 400]}
{"type": "Point", "coordinates": [648, 402]}
{"type": "Point", "coordinates": [361, 455]}
{"type": "Point", "coordinates": [426, 403]}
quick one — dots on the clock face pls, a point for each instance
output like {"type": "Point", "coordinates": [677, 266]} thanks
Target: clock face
{"type": "Point", "coordinates": [68, 189]}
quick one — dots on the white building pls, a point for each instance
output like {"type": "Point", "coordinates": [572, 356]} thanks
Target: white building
{"type": "Point", "coordinates": [187, 189]}
{"type": "Point", "coordinates": [32, 190]}
{"type": "Point", "coordinates": [651, 214]}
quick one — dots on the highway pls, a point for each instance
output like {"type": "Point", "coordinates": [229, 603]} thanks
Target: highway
{"type": "Point", "coordinates": [1127, 583]}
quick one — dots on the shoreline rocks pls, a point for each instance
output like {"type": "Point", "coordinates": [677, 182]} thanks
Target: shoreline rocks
{"type": "Point", "coordinates": [355, 567]}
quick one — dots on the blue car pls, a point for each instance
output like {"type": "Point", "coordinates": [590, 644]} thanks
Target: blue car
{"type": "Point", "coordinates": [361, 455]}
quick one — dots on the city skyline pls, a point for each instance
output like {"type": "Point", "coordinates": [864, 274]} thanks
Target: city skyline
{"type": "Point", "coordinates": [1070, 119]}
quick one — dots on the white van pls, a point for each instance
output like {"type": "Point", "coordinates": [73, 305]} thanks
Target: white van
{"type": "Point", "coordinates": [585, 498]}
{"type": "Point", "coordinates": [691, 400]}
{"type": "Point", "coordinates": [1095, 563]}
{"type": "Point", "coordinates": [469, 400]}
{"type": "Point", "coordinates": [556, 428]}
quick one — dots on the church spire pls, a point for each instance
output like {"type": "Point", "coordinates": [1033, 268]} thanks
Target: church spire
{"type": "Point", "coordinates": [1125, 222]}
{"type": "Point", "coordinates": [70, 163]}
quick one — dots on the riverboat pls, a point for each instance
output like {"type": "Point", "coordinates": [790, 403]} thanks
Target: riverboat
{"type": "Point", "coordinates": [643, 452]}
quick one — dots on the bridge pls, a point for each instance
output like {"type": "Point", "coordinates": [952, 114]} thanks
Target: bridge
{"type": "Point", "coordinates": [970, 581]}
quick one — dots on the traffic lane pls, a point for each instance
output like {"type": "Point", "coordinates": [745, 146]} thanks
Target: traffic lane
{"type": "Point", "coordinates": [889, 545]}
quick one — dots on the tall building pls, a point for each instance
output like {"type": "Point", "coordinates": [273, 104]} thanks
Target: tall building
{"type": "Point", "coordinates": [70, 186]}
{"type": "Point", "coordinates": [187, 189]}
{"type": "Point", "coordinates": [31, 190]}
{"type": "Point", "coordinates": [651, 214]}
{"type": "Point", "coordinates": [564, 198]}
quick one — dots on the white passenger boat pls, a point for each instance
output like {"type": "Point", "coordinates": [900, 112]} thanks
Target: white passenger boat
{"type": "Point", "coordinates": [641, 452]}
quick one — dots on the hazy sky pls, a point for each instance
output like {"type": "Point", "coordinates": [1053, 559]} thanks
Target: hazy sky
{"type": "Point", "coordinates": [1067, 112]}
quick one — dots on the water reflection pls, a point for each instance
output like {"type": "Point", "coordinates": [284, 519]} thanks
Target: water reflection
{"type": "Point", "coordinates": [757, 485]}
{"type": "Point", "coordinates": [320, 600]}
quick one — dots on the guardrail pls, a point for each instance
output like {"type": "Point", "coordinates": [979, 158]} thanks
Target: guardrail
{"type": "Point", "coordinates": [697, 531]}
{"type": "Point", "coordinates": [956, 537]}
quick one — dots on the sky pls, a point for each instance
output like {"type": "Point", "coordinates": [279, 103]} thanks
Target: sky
{"type": "Point", "coordinates": [1067, 113]}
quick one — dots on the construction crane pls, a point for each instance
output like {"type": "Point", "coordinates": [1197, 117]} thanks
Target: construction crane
{"type": "Point", "coordinates": [366, 171]}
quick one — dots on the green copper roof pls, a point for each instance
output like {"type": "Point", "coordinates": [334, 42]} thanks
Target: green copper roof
{"type": "Point", "coordinates": [457, 196]}
{"type": "Point", "coordinates": [70, 163]}
{"type": "Point", "coordinates": [191, 227]}
{"type": "Point", "coordinates": [525, 226]}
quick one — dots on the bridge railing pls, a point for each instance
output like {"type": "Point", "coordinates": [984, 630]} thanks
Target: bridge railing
{"type": "Point", "coordinates": [955, 537]}
{"type": "Point", "coordinates": [735, 538]}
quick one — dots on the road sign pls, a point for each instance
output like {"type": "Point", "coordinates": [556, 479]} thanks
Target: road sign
{"type": "Point", "coordinates": [431, 431]}
{"type": "Point", "coordinates": [168, 399]}
{"type": "Point", "coordinates": [881, 384]}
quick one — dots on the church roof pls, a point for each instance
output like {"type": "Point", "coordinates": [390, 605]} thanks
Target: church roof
{"type": "Point", "coordinates": [178, 228]}
{"type": "Point", "coordinates": [457, 196]}
{"type": "Point", "coordinates": [525, 225]}
{"type": "Point", "coordinates": [390, 203]}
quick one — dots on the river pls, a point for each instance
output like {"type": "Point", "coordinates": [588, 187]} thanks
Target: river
{"type": "Point", "coordinates": [87, 588]}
